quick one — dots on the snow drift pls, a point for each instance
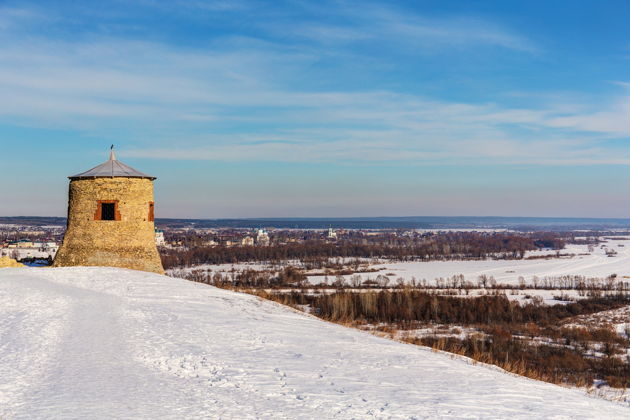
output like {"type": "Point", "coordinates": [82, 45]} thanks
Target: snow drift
{"type": "Point", "coordinates": [114, 343]}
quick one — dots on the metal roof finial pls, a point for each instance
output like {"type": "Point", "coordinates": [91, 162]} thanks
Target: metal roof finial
{"type": "Point", "coordinates": [112, 154]}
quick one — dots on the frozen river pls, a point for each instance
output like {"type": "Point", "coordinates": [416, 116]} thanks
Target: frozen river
{"type": "Point", "coordinates": [594, 264]}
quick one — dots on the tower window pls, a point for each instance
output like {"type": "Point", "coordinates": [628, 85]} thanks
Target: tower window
{"type": "Point", "coordinates": [107, 210]}
{"type": "Point", "coordinates": [151, 211]}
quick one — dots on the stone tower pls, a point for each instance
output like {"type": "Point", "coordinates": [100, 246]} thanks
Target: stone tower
{"type": "Point", "coordinates": [110, 219]}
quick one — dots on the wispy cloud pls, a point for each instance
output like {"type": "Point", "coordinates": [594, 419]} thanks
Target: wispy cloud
{"type": "Point", "coordinates": [461, 31]}
{"type": "Point", "coordinates": [86, 85]}
{"type": "Point", "coordinates": [14, 17]}
{"type": "Point", "coordinates": [231, 100]}
{"type": "Point", "coordinates": [396, 28]}
{"type": "Point", "coordinates": [612, 118]}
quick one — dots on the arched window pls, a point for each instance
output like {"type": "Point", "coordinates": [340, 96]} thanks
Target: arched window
{"type": "Point", "coordinates": [151, 211]}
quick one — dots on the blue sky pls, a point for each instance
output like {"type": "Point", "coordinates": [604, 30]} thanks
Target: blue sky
{"type": "Point", "coordinates": [328, 108]}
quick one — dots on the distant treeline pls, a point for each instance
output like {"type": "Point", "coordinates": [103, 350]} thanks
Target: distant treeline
{"type": "Point", "coordinates": [403, 306]}
{"type": "Point", "coordinates": [419, 222]}
{"type": "Point", "coordinates": [33, 221]}
{"type": "Point", "coordinates": [444, 246]}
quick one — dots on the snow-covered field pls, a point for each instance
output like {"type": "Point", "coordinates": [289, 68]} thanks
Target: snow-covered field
{"type": "Point", "coordinates": [619, 319]}
{"type": "Point", "coordinates": [87, 343]}
{"type": "Point", "coordinates": [583, 262]}
{"type": "Point", "coordinates": [596, 264]}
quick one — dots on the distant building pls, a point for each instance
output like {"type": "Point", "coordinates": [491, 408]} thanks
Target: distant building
{"type": "Point", "coordinates": [43, 246]}
{"type": "Point", "coordinates": [332, 234]}
{"type": "Point", "coordinates": [20, 252]}
{"type": "Point", "coordinates": [159, 238]}
{"type": "Point", "coordinates": [247, 241]}
{"type": "Point", "coordinates": [33, 232]}
{"type": "Point", "coordinates": [262, 238]}
{"type": "Point", "coordinates": [22, 243]}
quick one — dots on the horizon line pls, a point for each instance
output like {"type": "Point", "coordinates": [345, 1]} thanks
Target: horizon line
{"type": "Point", "coordinates": [350, 217]}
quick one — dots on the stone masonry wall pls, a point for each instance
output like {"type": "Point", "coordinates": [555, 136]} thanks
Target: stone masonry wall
{"type": "Point", "coordinates": [127, 243]}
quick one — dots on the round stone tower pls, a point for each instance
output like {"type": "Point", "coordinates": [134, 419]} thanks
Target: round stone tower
{"type": "Point", "coordinates": [110, 219]}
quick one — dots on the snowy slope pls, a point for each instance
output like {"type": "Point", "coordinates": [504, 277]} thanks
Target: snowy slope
{"type": "Point", "coordinates": [111, 343]}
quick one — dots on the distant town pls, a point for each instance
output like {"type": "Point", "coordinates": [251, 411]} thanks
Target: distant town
{"type": "Point", "coordinates": [37, 245]}
{"type": "Point", "coordinates": [33, 245]}
{"type": "Point", "coordinates": [35, 241]}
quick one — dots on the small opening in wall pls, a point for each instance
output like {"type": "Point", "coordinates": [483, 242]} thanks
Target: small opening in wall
{"type": "Point", "coordinates": [108, 211]}
{"type": "Point", "coordinates": [151, 212]}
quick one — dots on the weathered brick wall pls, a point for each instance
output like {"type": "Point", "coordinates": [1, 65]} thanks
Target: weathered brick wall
{"type": "Point", "coordinates": [128, 242]}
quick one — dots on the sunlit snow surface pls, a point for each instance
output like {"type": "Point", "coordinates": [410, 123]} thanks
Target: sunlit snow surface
{"type": "Point", "coordinates": [107, 343]}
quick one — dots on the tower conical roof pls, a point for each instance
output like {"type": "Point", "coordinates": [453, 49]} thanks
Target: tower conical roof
{"type": "Point", "coordinates": [111, 169]}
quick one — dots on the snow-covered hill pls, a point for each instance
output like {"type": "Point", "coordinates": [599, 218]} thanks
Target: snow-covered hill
{"type": "Point", "coordinates": [110, 343]}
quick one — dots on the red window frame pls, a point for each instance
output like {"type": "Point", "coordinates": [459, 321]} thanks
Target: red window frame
{"type": "Point", "coordinates": [99, 210]}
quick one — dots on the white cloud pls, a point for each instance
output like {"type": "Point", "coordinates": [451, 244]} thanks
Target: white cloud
{"type": "Point", "coordinates": [613, 119]}
{"type": "Point", "coordinates": [236, 87]}
{"type": "Point", "coordinates": [398, 28]}
{"type": "Point", "coordinates": [151, 86]}
{"type": "Point", "coordinates": [15, 15]}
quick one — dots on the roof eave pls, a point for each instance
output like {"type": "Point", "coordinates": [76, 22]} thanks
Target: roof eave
{"type": "Point", "coordinates": [76, 177]}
